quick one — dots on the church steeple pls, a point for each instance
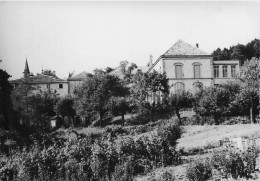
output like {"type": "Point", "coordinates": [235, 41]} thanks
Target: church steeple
{"type": "Point", "coordinates": [26, 72]}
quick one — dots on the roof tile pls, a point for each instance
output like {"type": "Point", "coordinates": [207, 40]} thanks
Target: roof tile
{"type": "Point", "coordinates": [183, 48]}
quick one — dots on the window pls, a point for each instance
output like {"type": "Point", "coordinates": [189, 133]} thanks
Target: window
{"type": "Point", "coordinates": [178, 71]}
{"type": "Point", "coordinates": [179, 86]}
{"type": "Point", "coordinates": [196, 68]}
{"type": "Point", "coordinates": [216, 71]}
{"type": "Point", "coordinates": [233, 70]}
{"type": "Point", "coordinates": [224, 68]}
{"type": "Point", "coordinates": [60, 86]}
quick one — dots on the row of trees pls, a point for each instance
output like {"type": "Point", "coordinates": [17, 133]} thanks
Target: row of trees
{"type": "Point", "coordinates": [239, 51]}
{"type": "Point", "coordinates": [103, 96]}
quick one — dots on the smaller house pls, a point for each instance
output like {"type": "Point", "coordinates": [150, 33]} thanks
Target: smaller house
{"type": "Point", "coordinates": [41, 82]}
{"type": "Point", "coordinates": [77, 80]}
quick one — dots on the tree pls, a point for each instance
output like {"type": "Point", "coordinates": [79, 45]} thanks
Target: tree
{"type": "Point", "coordinates": [129, 73]}
{"type": "Point", "coordinates": [42, 105]}
{"type": "Point", "coordinates": [252, 49]}
{"type": "Point", "coordinates": [65, 107]}
{"type": "Point", "coordinates": [6, 109]}
{"type": "Point", "coordinates": [121, 105]}
{"type": "Point", "coordinates": [109, 69]}
{"type": "Point", "coordinates": [249, 76]}
{"type": "Point", "coordinates": [180, 100]}
{"type": "Point", "coordinates": [213, 101]}
{"type": "Point", "coordinates": [238, 52]}
{"type": "Point", "coordinates": [48, 72]}
{"type": "Point", "coordinates": [21, 98]}
{"type": "Point", "coordinates": [148, 89]}
{"type": "Point", "coordinates": [94, 96]}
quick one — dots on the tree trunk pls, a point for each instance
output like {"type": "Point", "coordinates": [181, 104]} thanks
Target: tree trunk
{"type": "Point", "coordinates": [252, 115]}
{"type": "Point", "coordinates": [178, 115]}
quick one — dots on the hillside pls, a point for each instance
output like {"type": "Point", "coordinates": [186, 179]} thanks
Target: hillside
{"type": "Point", "coordinates": [201, 137]}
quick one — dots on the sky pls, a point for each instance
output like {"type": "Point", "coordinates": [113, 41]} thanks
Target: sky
{"type": "Point", "coordinates": [82, 36]}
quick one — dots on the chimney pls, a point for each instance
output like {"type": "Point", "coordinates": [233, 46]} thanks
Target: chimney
{"type": "Point", "coordinates": [197, 45]}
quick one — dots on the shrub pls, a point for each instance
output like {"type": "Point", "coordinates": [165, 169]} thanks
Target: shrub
{"type": "Point", "coordinates": [199, 171]}
{"type": "Point", "coordinates": [234, 164]}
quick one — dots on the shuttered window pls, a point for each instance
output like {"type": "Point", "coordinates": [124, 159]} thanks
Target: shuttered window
{"type": "Point", "coordinates": [178, 71]}
{"type": "Point", "coordinates": [196, 71]}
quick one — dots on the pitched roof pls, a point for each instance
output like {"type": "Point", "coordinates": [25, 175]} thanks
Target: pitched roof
{"type": "Point", "coordinates": [181, 48]}
{"type": "Point", "coordinates": [81, 76]}
{"type": "Point", "coordinates": [40, 79]}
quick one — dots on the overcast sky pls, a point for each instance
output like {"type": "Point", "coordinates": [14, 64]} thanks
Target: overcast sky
{"type": "Point", "coordinates": [82, 36]}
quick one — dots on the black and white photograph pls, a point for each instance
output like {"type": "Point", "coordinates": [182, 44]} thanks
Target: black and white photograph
{"type": "Point", "coordinates": [129, 90]}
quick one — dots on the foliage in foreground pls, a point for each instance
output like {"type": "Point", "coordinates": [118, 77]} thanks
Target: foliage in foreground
{"type": "Point", "coordinates": [103, 157]}
{"type": "Point", "coordinates": [224, 164]}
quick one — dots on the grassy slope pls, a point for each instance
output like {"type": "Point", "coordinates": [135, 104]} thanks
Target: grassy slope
{"type": "Point", "coordinates": [200, 136]}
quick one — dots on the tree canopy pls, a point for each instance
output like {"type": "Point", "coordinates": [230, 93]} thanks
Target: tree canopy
{"type": "Point", "coordinates": [6, 109]}
{"type": "Point", "coordinates": [94, 96]}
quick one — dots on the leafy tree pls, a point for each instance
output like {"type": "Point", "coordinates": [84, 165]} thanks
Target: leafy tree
{"type": "Point", "coordinates": [246, 102]}
{"type": "Point", "coordinates": [129, 73]}
{"type": "Point", "coordinates": [181, 100]}
{"type": "Point", "coordinates": [252, 49]}
{"type": "Point", "coordinates": [42, 105]}
{"type": "Point", "coordinates": [238, 52]}
{"type": "Point", "coordinates": [121, 105]}
{"type": "Point", "coordinates": [94, 96]}
{"type": "Point", "coordinates": [219, 54]}
{"type": "Point", "coordinates": [148, 89]}
{"type": "Point", "coordinates": [6, 110]}
{"type": "Point", "coordinates": [48, 72]}
{"type": "Point", "coordinates": [109, 69]}
{"type": "Point", "coordinates": [213, 101]}
{"type": "Point", "coordinates": [65, 107]}
{"type": "Point", "coordinates": [22, 92]}
{"type": "Point", "coordinates": [249, 75]}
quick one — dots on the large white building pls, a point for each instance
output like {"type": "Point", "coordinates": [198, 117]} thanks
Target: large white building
{"type": "Point", "coordinates": [189, 67]}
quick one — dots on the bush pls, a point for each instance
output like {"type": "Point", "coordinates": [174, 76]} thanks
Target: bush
{"type": "Point", "coordinates": [232, 163]}
{"type": "Point", "coordinates": [199, 171]}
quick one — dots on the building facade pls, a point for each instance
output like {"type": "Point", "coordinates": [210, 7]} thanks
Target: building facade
{"type": "Point", "coordinates": [76, 81]}
{"type": "Point", "coordinates": [41, 83]}
{"type": "Point", "coordinates": [188, 67]}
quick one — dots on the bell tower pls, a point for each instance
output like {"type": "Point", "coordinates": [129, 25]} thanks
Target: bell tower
{"type": "Point", "coordinates": [26, 73]}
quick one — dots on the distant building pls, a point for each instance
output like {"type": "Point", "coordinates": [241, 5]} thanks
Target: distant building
{"type": "Point", "coordinates": [77, 80]}
{"type": "Point", "coordinates": [188, 67]}
{"type": "Point", "coordinates": [41, 82]}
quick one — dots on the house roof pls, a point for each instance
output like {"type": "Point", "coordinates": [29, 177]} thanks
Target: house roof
{"type": "Point", "coordinates": [181, 48]}
{"type": "Point", "coordinates": [40, 79]}
{"type": "Point", "coordinates": [81, 76]}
